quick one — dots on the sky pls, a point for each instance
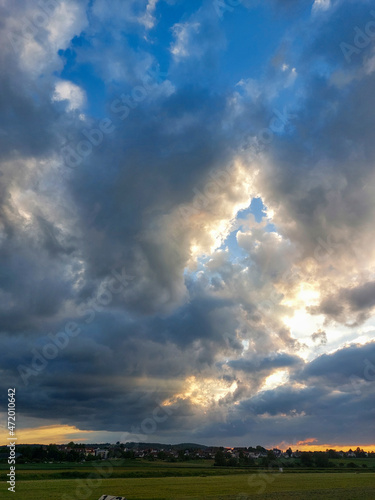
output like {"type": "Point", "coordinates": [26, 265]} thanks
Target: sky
{"type": "Point", "coordinates": [187, 206]}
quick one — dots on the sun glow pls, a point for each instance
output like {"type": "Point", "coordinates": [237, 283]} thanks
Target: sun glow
{"type": "Point", "coordinates": [301, 323]}
{"type": "Point", "coordinates": [203, 392]}
{"type": "Point", "coordinates": [275, 380]}
{"type": "Point", "coordinates": [48, 434]}
{"type": "Point", "coordinates": [308, 295]}
{"type": "Point", "coordinates": [298, 321]}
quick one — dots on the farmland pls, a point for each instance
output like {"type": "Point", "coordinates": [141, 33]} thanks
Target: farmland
{"type": "Point", "coordinates": [144, 480]}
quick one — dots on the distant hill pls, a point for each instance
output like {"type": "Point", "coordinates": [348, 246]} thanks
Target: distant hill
{"type": "Point", "coordinates": [158, 446]}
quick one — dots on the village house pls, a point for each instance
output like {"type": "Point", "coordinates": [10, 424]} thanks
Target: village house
{"type": "Point", "coordinates": [101, 453]}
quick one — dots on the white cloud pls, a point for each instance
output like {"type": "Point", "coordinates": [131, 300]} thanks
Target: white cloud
{"type": "Point", "coordinates": [68, 21]}
{"type": "Point", "coordinates": [65, 90]}
{"type": "Point", "coordinates": [148, 20]}
{"type": "Point", "coordinates": [126, 13]}
{"type": "Point", "coordinates": [184, 33]}
{"type": "Point", "coordinates": [321, 5]}
{"type": "Point", "coordinates": [36, 36]}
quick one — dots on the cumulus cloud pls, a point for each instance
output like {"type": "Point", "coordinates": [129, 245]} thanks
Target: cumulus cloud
{"type": "Point", "coordinates": [65, 90]}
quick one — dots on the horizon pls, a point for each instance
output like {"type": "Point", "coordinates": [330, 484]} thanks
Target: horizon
{"type": "Point", "coordinates": [283, 447]}
{"type": "Point", "coordinates": [187, 217]}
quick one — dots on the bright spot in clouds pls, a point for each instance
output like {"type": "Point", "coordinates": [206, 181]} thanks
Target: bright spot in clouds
{"type": "Point", "coordinates": [203, 392]}
{"type": "Point", "coordinates": [308, 295]}
{"type": "Point", "coordinates": [278, 378]}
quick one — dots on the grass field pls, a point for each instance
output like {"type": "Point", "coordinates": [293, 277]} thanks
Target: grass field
{"type": "Point", "coordinates": [369, 462]}
{"type": "Point", "coordinates": [191, 480]}
{"type": "Point", "coordinates": [345, 486]}
{"type": "Point", "coordinates": [121, 472]}
{"type": "Point", "coordinates": [128, 469]}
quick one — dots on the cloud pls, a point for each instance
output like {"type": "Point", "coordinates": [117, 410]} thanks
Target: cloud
{"type": "Point", "coordinates": [65, 90]}
{"type": "Point", "coordinates": [281, 360]}
{"type": "Point", "coordinates": [361, 297]}
{"type": "Point", "coordinates": [52, 434]}
{"type": "Point", "coordinates": [320, 337]}
{"type": "Point", "coordinates": [149, 19]}
{"type": "Point", "coordinates": [227, 297]}
{"type": "Point", "coordinates": [340, 367]}
{"type": "Point", "coordinates": [349, 305]}
{"type": "Point", "coordinates": [196, 45]}
{"type": "Point", "coordinates": [35, 33]}
{"type": "Point", "coordinates": [184, 34]}
{"type": "Point", "coordinates": [321, 5]}
{"type": "Point", "coordinates": [133, 14]}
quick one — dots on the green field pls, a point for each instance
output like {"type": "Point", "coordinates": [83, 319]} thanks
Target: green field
{"type": "Point", "coordinates": [200, 480]}
{"type": "Point", "coordinates": [345, 486]}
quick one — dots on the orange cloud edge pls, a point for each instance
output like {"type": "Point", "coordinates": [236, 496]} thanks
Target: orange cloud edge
{"type": "Point", "coordinates": [311, 444]}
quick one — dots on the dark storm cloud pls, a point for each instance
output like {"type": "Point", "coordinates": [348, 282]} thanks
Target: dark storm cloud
{"type": "Point", "coordinates": [341, 366]}
{"type": "Point", "coordinates": [356, 302]}
{"type": "Point", "coordinates": [332, 382]}
{"type": "Point", "coordinates": [93, 379]}
{"type": "Point", "coordinates": [123, 355]}
{"type": "Point", "coordinates": [284, 400]}
{"type": "Point", "coordinates": [31, 291]}
{"type": "Point", "coordinates": [296, 414]}
{"type": "Point", "coordinates": [325, 131]}
{"type": "Point", "coordinates": [115, 193]}
{"type": "Point", "coordinates": [334, 402]}
{"type": "Point", "coordinates": [361, 297]}
{"type": "Point", "coordinates": [319, 336]}
{"type": "Point", "coordinates": [280, 360]}
{"type": "Point", "coordinates": [34, 278]}
{"type": "Point", "coordinates": [330, 306]}
{"type": "Point", "coordinates": [138, 180]}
